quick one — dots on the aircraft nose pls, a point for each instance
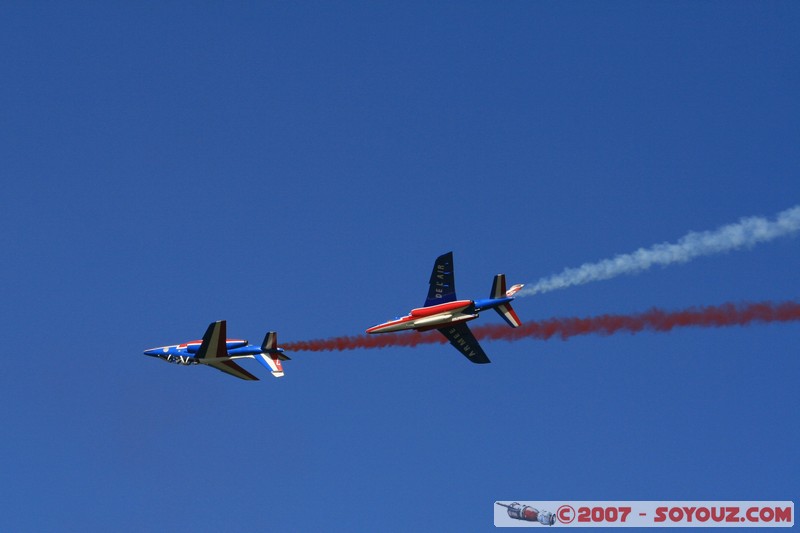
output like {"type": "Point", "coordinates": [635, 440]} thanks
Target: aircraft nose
{"type": "Point", "coordinates": [152, 352]}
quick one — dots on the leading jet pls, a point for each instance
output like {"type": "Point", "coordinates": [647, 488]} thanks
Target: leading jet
{"type": "Point", "coordinates": [220, 352]}
{"type": "Point", "coordinates": [448, 315]}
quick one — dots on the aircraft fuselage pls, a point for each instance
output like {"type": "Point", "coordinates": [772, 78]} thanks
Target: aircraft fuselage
{"type": "Point", "coordinates": [438, 316]}
{"type": "Point", "coordinates": [185, 354]}
{"type": "Point", "coordinates": [220, 352]}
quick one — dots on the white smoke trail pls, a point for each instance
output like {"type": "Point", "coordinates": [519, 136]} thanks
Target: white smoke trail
{"type": "Point", "coordinates": [745, 233]}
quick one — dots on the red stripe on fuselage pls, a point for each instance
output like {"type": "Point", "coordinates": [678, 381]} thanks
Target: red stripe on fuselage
{"type": "Point", "coordinates": [441, 308]}
{"type": "Point", "coordinates": [423, 314]}
{"type": "Point", "coordinates": [228, 343]}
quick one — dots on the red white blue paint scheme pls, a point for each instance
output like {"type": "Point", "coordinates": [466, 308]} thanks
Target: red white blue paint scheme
{"type": "Point", "coordinates": [220, 352]}
{"type": "Point", "coordinates": [443, 312]}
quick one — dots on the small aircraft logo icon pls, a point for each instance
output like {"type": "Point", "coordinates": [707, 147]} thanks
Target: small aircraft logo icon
{"type": "Point", "coordinates": [528, 513]}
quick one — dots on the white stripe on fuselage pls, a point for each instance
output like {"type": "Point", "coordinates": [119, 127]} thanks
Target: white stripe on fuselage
{"type": "Point", "coordinates": [221, 359]}
{"type": "Point", "coordinates": [427, 322]}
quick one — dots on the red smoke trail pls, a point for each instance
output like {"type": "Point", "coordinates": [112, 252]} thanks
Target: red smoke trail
{"type": "Point", "coordinates": [727, 314]}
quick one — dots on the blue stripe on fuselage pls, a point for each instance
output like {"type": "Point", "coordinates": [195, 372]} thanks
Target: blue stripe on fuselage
{"type": "Point", "coordinates": [191, 351]}
{"type": "Point", "coordinates": [490, 303]}
{"type": "Point", "coordinates": [229, 344]}
{"type": "Point", "coordinates": [245, 350]}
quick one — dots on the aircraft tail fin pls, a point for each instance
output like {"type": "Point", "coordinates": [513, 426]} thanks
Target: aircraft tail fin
{"type": "Point", "coordinates": [271, 355]}
{"type": "Point", "coordinates": [505, 310]}
{"type": "Point", "coordinates": [270, 341]}
{"type": "Point", "coordinates": [499, 288]}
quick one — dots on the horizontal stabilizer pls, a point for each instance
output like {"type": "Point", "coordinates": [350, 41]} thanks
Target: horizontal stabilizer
{"type": "Point", "coordinates": [509, 315]}
{"type": "Point", "coordinates": [272, 363]}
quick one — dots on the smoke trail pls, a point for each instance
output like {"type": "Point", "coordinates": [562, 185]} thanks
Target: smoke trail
{"type": "Point", "coordinates": [747, 232]}
{"type": "Point", "coordinates": [657, 320]}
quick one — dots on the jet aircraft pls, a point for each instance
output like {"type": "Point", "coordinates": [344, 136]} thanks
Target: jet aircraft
{"type": "Point", "coordinates": [217, 351]}
{"type": "Point", "coordinates": [443, 312]}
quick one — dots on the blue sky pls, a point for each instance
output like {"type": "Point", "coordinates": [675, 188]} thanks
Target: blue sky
{"type": "Point", "coordinates": [298, 167]}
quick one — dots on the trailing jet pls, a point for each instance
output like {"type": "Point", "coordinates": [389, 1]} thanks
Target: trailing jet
{"type": "Point", "coordinates": [217, 351]}
{"type": "Point", "coordinates": [443, 312]}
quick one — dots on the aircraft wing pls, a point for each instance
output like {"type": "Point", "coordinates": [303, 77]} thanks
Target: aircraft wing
{"type": "Point", "coordinates": [229, 367]}
{"type": "Point", "coordinates": [214, 350]}
{"type": "Point", "coordinates": [443, 281]}
{"type": "Point", "coordinates": [213, 345]}
{"type": "Point", "coordinates": [465, 342]}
